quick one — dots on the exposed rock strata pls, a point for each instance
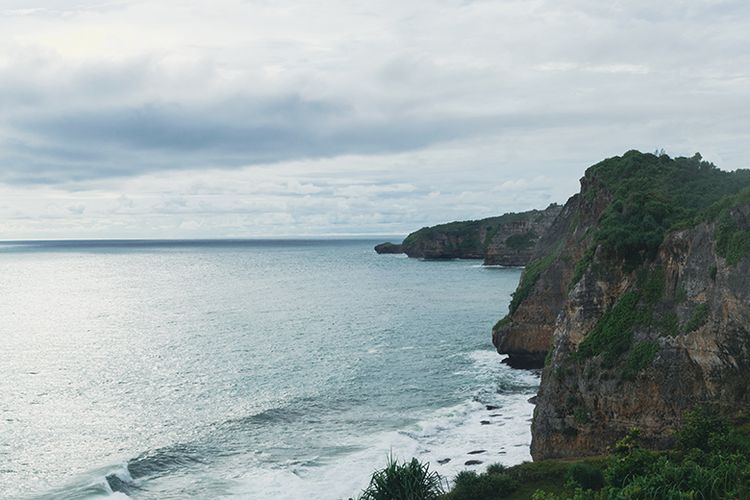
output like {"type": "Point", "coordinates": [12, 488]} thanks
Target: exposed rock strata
{"type": "Point", "coordinates": [673, 330]}
{"type": "Point", "coordinates": [507, 240]}
{"type": "Point", "coordinates": [583, 408]}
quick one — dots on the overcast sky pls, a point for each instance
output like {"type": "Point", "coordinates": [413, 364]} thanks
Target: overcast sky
{"type": "Point", "coordinates": [247, 118]}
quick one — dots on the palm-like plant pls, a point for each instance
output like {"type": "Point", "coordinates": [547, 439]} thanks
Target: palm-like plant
{"type": "Point", "coordinates": [411, 480]}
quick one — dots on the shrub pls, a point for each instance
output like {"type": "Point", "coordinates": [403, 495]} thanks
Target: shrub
{"type": "Point", "coordinates": [529, 278]}
{"type": "Point", "coordinates": [702, 426]}
{"type": "Point", "coordinates": [522, 241]}
{"type": "Point", "coordinates": [404, 481]}
{"type": "Point", "coordinates": [732, 242]}
{"type": "Point", "coordinates": [586, 476]}
{"type": "Point", "coordinates": [496, 469]}
{"type": "Point", "coordinates": [698, 318]}
{"type": "Point", "coordinates": [581, 416]}
{"type": "Point", "coordinates": [652, 195]}
{"type": "Point", "coordinates": [640, 357]}
{"type": "Point", "coordinates": [613, 333]}
{"type": "Point", "coordinates": [469, 485]}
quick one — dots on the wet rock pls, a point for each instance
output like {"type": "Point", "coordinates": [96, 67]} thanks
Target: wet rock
{"type": "Point", "coordinates": [477, 452]}
{"type": "Point", "coordinates": [444, 461]}
{"type": "Point", "coordinates": [473, 462]}
{"type": "Point", "coordinates": [492, 407]}
{"type": "Point", "coordinates": [485, 422]}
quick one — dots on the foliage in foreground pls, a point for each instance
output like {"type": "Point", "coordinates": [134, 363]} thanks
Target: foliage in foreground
{"type": "Point", "coordinates": [404, 481]}
{"type": "Point", "coordinates": [710, 461]}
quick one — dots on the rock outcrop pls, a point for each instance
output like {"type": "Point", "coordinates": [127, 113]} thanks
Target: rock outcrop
{"type": "Point", "coordinates": [639, 296]}
{"type": "Point", "coordinates": [507, 240]}
{"type": "Point", "coordinates": [389, 247]}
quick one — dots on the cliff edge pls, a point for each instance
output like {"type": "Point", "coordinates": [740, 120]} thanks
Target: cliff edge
{"type": "Point", "coordinates": [637, 301]}
{"type": "Point", "coordinates": [507, 240]}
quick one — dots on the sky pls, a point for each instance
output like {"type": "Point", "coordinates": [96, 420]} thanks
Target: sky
{"type": "Point", "coordinates": [273, 118]}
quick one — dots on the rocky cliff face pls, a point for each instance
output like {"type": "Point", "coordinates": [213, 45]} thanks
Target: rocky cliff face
{"type": "Point", "coordinates": [507, 240]}
{"type": "Point", "coordinates": [388, 247]}
{"type": "Point", "coordinates": [512, 242]}
{"type": "Point", "coordinates": [640, 325]}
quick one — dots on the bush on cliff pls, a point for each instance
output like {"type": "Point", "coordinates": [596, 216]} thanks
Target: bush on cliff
{"type": "Point", "coordinates": [651, 195]}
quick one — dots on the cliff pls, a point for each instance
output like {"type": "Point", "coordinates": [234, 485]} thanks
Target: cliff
{"type": "Point", "coordinates": [507, 240]}
{"type": "Point", "coordinates": [639, 298]}
{"type": "Point", "coordinates": [388, 247]}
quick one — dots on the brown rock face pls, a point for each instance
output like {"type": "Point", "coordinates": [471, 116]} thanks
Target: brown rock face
{"type": "Point", "coordinates": [507, 240]}
{"type": "Point", "coordinates": [633, 341]}
{"type": "Point", "coordinates": [512, 243]}
{"type": "Point", "coordinates": [525, 335]}
{"type": "Point", "coordinates": [696, 348]}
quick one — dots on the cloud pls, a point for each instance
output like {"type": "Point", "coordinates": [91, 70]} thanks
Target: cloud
{"type": "Point", "coordinates": [255, 117]}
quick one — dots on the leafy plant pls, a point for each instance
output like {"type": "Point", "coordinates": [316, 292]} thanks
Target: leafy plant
{"type": "Point", "coordinates": [490, 485]}
{"type": "Point", "coordinates": [411, 480]}
{"type": "Point", "coordinates": [585, 476]}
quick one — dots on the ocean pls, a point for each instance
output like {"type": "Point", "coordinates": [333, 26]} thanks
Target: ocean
{"type": "Point", "coordinates": [247, 369]}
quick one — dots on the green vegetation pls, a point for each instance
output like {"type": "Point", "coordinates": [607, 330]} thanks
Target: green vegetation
{"type": "Point", "coordinates": [408, 481]}
{"type": "Point", "coordinates": [613, 334]}
{"type": "Point", "coordinates": [582, 265]}
{"type": "Point", "coordinates": [651, 195]}
{"type": "Point", "coordinates": [466, 234]}
{"type": "Point", "coordinates": [528, 280]}
{"type": "Point", "coordinates": [581, 416]}
{"type": "Point", "coordinates": [521, 481]}
{"type": "Point", "coordinates": [523, 241]}
{"type": "Point", "coordinates": [505, 320]}
{"type": "Point", "coordinates": [698, 318]}
{"type": "Point", "coordinates": [489, 485]}
{"type": "Point", "coordinates": [640, 357]}
{"type": "Point", "coordinates": [711, 461]}
{"type": "Point", "coordinates": [585, 476]}
{"type": "Point", "coordinates": [732, 242]}
{"type": "Point", "coordinates": [670, 325]}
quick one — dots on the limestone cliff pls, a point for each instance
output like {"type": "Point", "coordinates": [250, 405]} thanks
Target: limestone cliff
{"type": "Point", "coordinates": [507, 240]}
{"type": "Point", "coordinates": [389, 247]}
{"type": "Point", "coordinates": [640, 293]}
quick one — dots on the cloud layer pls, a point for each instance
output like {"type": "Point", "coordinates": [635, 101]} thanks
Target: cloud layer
{"type": "Point", "coordinates": [346, 117]}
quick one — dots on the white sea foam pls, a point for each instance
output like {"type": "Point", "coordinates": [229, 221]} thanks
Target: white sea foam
{"type": "Point", "coordinates": [502, 434]}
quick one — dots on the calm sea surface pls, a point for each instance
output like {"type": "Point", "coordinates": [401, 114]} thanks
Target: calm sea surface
{"type": "Point", "coordinates": [246, 369]}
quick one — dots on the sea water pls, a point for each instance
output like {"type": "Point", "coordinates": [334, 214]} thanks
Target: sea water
{"type": "Point", "coordinates": [247, 369]}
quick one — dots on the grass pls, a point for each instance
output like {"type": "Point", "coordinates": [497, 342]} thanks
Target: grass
{"type": "Point", "coordinates": [529, 278]}
{"type": "Point", "coordinates": [698, 318]}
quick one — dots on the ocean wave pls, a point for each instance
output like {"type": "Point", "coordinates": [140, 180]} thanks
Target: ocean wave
{"type": "Point", "coordinates": [490, 426]}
